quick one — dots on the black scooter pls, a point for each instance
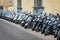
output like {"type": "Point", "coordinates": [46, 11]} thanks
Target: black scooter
{"type": "Point", "coordinates": [35, 22]}
{"type": "Point", "coordinates": [23, 21]}
{"type": "Point", "coordinates": [44, 26]}
{"type": "Point", "coordinates": [28, 23]}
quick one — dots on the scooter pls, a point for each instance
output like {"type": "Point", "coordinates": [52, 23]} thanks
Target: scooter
{"type": "Point", "coordinates": [51, 26]}
{"type": "Point", "coordinates": [35, 22]}
{"type": "Point", "coordinates": [23, 21]}
{"type": "Point", "coordinates": [56, 30]}
{"type": "Point", "coordinates": [44, 26]}
{"type": "Point", "coordinates": [48, 29]}
{"type": "Point", "coordinates": [15, 18]}
{"type": "Point", "coordinates": [40, 23]}
{"type": "Point", "coordinates": [58, 35]}
{"type": "Point", "coordinates": [28, 23]}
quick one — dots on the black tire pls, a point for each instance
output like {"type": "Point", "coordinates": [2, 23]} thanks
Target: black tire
{"type": "Point", "coordinates": [58, 38]}
{"type": "Point", "coordinates": [43, 30]}
{"type": "Point", "coordinates": [34, 26]}
{"type": "Point", "coordinates": [22, 25]}
{"type": "Point", "coordinates": [46, 33]}
{"type": "Point", "coordinates": [37, 29]}
{"type": "Point", "coordinates": [25, 27]}
{"type": "Point", "coordinates": [55, 35]}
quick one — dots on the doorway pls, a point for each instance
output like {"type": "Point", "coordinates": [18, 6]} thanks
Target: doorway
{"type": "Point", "coordinates": [1, 7]}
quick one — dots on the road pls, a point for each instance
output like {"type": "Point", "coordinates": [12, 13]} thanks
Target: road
{"type": "Point", "coordinates": [10, 32]}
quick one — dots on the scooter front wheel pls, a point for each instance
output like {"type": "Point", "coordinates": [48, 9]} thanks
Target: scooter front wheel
{"type": "Point", "coordinates": [37, 29]}
{"type": "Point", "coordinates": [26, 25]}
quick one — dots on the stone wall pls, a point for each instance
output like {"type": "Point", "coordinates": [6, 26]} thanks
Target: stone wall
{"type": "Point", "coordinates": [6, 3]}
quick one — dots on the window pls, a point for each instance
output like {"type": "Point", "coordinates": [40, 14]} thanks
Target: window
{"type": "Point", "coordinates": [39, 2]}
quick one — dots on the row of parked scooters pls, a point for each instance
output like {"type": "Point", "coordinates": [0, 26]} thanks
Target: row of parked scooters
{"type": "Point", "coordinates": [47, 25]}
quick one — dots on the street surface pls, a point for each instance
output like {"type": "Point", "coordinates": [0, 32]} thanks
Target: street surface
{"type": "Point", "coordinates": [11, 31]}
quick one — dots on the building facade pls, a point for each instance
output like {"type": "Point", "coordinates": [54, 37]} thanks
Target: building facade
{"type": "Point", "coordinates": [6, 4]}
{"type": "Point", "coordinates": [49, 6]}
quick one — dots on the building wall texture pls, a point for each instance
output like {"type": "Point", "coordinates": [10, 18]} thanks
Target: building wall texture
{"type": "Point", "coordinates": [50, 6]}
{"type": "Point", "coordinates": [6, 3]}
{"type": "Point", "coordinates": [27, 5]}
